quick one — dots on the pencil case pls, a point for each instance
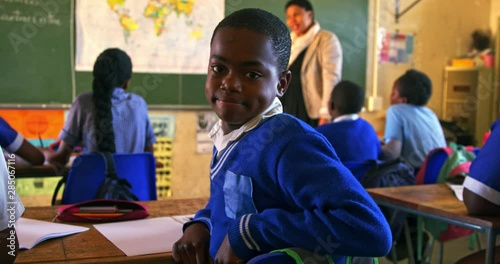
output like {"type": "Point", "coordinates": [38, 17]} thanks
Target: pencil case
{"type": "Point", "coordinates": [101, 210]}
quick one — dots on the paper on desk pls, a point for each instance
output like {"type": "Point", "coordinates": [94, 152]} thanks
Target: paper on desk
{"type": "Point", "coordinates": [140, 237]}
{"type": "Point", "coordinates": [31, 232]}
{"type": "Point", "coordinates": [183, 218]}
{"type": "Point", "coordinates": [458, 190]}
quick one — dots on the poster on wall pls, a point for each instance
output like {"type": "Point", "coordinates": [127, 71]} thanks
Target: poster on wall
{"type": "Point", "coordinates": [163, 125]}
{"type": "Point", "coordinates": [204, 123]}
{"type": "Point", "coordinates": [159, 36]}
{"type": "Point", "coordinates": [41, 127]}
{"type": "Point", "coordinates": [396, 47]}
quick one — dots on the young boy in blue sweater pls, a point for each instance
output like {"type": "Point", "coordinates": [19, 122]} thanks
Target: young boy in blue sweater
{"type": "Point", "coordinates": [275, 182]}
{"type": "Point", "coordinates": [352, 137]}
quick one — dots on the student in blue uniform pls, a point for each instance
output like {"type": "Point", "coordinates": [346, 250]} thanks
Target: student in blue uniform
{"type": "Point", "coordinates": [411, 129]}
{"type": "Point", "coordinates": [482, 186]}
{"type": "Point", "coordinates": [275, 182]}
{"type": "Point", "coordinates": [15, 143]}
{"type": "Point", "coordinates": [352, 137]}
{"type": "Point", "coordinates": [108, 119]}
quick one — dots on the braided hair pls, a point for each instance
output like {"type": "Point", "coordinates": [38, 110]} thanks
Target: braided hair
{"type": "Point", "coordinates": [113, 68]}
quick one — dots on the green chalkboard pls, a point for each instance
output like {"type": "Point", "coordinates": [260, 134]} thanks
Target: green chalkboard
{"type": "Point", "coordinates": [35, 66]}
{"type": "Point", "coordinates": [37, 42]}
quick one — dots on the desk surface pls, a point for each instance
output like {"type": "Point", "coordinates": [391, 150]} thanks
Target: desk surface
{"type": "Point", "coordinates": [431, 199]}
{"type": "Point", "coordinates": [91, 246]}
{"type": "Point", "coordinates": [39, 171]}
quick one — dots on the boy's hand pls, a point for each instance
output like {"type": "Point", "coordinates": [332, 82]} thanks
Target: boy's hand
{"type": "Point", "coordinates": [193, 246]}
{"type": "Point", "coordinates": [225, 255]}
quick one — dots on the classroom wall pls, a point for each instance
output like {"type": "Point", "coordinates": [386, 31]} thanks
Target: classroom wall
{"type": "Point", "coordinates": [495, 13]}
{"type": "Point", "coordinates": [442, 30]}
{"type": "Point", "coordinates": [190, 170]}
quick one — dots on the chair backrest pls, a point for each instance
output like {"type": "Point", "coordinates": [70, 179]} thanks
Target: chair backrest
{"type": "Point", "coordinates": [430, 170]}
{"type": "Point", "coordinates": [88, 171]}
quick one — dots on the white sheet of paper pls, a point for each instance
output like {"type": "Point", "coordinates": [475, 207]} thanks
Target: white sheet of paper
{"type": "Point", "coordinates": [183, 218]}
{"type": "Point", "coordinates": [140, 237]}
{"type": "Point", "coordinates": [31, 232]}
{"type": "Point", "coordinates": [458, 190]}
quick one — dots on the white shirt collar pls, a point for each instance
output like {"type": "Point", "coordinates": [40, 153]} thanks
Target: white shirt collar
{"type": "Point", "coordinates": [221, 141]}
{"type": "Point", "coordinates": [351, 117]}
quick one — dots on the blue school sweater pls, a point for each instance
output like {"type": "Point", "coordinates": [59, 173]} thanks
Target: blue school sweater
{"type": "Point", "coordinates": [484, 179]}
{"type": "Point", "coordinates": [281, 185]}
{"type": "Point", "coordinates": [353, 140]}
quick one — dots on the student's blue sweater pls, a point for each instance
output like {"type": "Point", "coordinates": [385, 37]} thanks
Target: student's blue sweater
{"type": "Point", "coordinates": [353, 140]}
{"type": "Point", "coordinates": [282, 185]}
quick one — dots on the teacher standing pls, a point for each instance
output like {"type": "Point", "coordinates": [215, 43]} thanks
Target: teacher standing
{"type": "Point", "coordinates": [315, 63]}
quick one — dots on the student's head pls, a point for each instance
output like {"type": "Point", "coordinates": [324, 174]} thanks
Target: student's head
{"type": "Point", "coordinates": [247, 68]}
{"type": "Point", "coordinates": [112, 69]}
{"type": "Point", "coordinates": [299, 16]}
{"type": "Point", "coordinates": [346, 98]}
{"type": "Point", "coordinates": [413, 87]}
{"type": "Point", "coordinates": [481, 40]}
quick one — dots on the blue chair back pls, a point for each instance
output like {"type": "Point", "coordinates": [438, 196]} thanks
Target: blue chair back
{"type": "Point", "coordinates": [435, 162]}
{"type": "Point", "coordinates": [88, 171]}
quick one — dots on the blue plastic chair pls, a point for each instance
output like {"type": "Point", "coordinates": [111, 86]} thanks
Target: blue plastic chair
{"type": "Point", "coordinates": [88, 171]}
{"type": "Point", "coordinates": [435, 162]}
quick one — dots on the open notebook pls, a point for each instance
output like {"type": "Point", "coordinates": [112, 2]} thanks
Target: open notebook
{"type": "Point", "coordinates": [31, 232]}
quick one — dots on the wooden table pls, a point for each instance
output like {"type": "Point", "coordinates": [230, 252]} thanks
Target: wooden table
{"type": "Point", "coordinates": [437, 201]}
{"type": "Point", "coordinates": [40, 171]}
{"type": "Point", "coordinates": [91, 246]}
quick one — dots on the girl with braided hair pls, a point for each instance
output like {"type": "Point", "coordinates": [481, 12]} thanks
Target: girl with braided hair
{"type": "Point", "coordinates": [108, 119]}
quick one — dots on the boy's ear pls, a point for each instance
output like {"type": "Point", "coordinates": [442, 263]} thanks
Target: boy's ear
{"type": "Point", "coordinates": [285, 78]}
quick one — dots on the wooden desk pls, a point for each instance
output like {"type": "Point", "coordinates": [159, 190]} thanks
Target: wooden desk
{"type": "Point", "coordinates": [39, 171]}
{"type": "Point", "coordinates": [91, 246]}
{"type": "Point", "coordinates": [437, 201]}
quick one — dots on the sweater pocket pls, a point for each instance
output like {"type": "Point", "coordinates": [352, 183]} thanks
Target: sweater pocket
{"type": "Point", "coordinates": [238, 195]}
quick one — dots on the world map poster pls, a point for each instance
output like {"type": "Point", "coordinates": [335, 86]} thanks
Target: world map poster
{"type": "Point", "coordinates": [160, 36]}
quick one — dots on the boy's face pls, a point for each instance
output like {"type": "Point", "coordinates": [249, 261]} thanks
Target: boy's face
{"type": "Point", "coordinates": [243, 77]}
{"type": "Point", "coordinates": [395, 96]}
{"type": "Point", "coordinates": [298, 19]}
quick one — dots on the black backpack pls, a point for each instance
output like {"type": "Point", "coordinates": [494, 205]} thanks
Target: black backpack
{"type": "Point", "coordinates": [113, 187]}
{"type": "Point", "coordinates": [390, 174]}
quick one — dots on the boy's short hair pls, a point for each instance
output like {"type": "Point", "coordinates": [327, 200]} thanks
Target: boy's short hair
{"type": "Point", "coordinates": [264, 23]}
{"type": "Point", "coordinates": [347, 98]}
{"type": "Point", "coordinates": [415, 86]}
{"type": "Point", "coordinates": [302, 3]}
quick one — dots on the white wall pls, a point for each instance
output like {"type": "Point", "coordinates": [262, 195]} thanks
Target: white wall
{"type": "Point", "coordinates": [495, 13]}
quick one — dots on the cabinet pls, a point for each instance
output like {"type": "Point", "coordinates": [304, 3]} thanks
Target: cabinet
{"type": "Point", "coordinates": [468, 97]}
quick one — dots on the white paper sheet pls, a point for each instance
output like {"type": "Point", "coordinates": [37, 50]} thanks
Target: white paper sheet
{"type": "Point", "coordinates": [457, 190]}
{"type": "Point", "coordinates": [183, 218]}
{"type": "Point", "coordinates": [31, 232]}
{"type": "Point", "coordinates": [140, 237]}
